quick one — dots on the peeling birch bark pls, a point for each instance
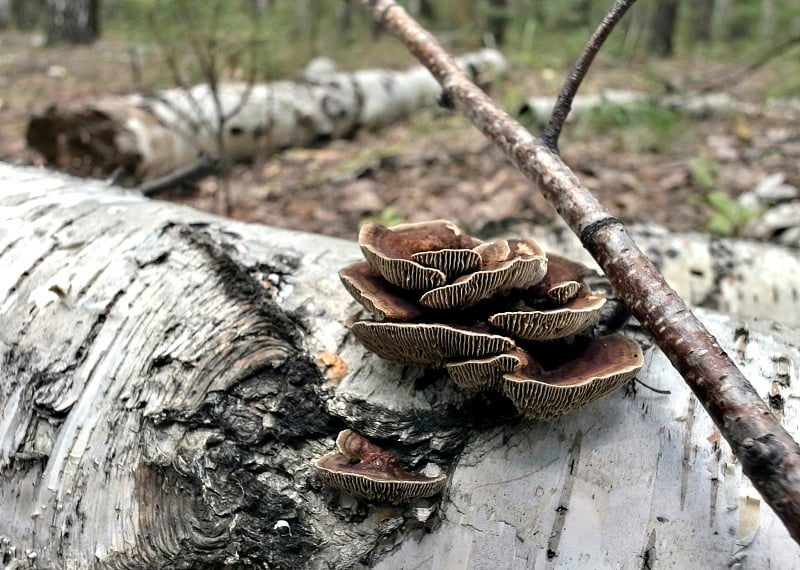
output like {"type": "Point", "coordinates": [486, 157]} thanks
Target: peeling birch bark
{"type": "Point", "coordinates": [149, 136]}
{"type": "Point", "coordinates": [160, 405]}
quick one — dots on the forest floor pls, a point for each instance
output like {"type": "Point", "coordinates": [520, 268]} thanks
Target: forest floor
{"type": "Point", "coordinates": [645, 165]}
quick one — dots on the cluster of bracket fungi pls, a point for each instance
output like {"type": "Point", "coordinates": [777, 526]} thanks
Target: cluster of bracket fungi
{"type": "Point", "coordinates": [499, 315]}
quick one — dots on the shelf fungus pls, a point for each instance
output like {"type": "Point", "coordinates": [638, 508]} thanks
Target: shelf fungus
{"type": "Point", "coordinates": [550, 323]}
{"type": "Point", "coordinates": [492, 313]}
{"type": "Point", "coordinates": [592, 369]}
{"type": "Point", "coordinates": [450, 268]}
{"type": "Point", "coordinates": [564, 280]}
{"type": "Point", "coordinates": [418, 256]}
{"type": "Point", "coordinates": [362, 469]}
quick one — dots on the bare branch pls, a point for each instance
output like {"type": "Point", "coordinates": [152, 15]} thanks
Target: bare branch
{"type": "Point", "coordinates": [760, 61]}
{"type": "Point", "coordinates": [768, 454]}
{"type": "Point", "coordinates": [575, 77]}
{"type": "Point", "coordinates": [206, 166]}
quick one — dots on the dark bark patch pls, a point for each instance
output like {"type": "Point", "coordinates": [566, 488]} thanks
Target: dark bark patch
{"type": "Point", "coordinates": [237, 283]}
{"type": "Point", "coordinates": [762, 457]}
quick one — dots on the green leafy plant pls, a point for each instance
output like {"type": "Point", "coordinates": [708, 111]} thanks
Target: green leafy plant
{"type": "Point", "coordinates": [727, 217]}
{"type": "Point", "coordinates": [703, 172]}
{"type": "Point", "coordinates": [389, 216]}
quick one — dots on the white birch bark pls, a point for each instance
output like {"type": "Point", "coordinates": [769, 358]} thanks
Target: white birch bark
{"type": "Point", "coordinates": [539, 108]}
{"type": "Point", "coordinates": [149, 136]}
{"type": "Point", "coordinates": [159, 406]}
{"type": "Point", "coordinates": [742, 278]}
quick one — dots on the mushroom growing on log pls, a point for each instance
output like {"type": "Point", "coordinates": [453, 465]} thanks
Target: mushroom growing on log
{"type": "Point", "coordinates": [363, 469]}
{"type": "Point", "coordinates": [487, 312]}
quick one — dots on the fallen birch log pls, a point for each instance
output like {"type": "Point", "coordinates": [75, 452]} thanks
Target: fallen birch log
{"type": "Point", "coordinates": [538, 109]}
{"type": "Point", "coordinates": [160, 405]}
{"type": "Point", "coordinates": [149, 136]}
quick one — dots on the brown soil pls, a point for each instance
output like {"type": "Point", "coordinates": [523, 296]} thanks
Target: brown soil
{"type": "Point", "coordinates": [435, 165]}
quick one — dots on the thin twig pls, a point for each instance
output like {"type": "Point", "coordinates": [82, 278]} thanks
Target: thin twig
{"type": "Point", "coordinates": [575, 77]}
{"type": "Point", "coordinates": [768, 454]}
{"type": "Point", "coordinates": [649, 387]}
{"type": "Point", "coordinates": [764, 58]}
{"type": "Point", "coordinates": [206, 166]}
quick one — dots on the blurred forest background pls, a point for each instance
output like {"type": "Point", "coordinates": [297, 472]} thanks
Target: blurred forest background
{"type": "Point", "coordinates": [648, 162]}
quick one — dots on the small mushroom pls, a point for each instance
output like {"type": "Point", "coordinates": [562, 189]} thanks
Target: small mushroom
{"type": "Point", "coordinates": [428, 344]}
{"type": "Point", "coordinates": [391, 251]}
{"type": "Point", "coordinates": [563, 281]}
{"type": "Point", "coordinates": [376, 295]}
{"type": "Point", "coordinates": [505, 265]}
{"type": "Point", "coordinates": [363, 469]}
{"type": "Point", "coordinates": [600, 367]}
{"type": "Point", "coordinates": [564, 291]}
{"type": "Point", "coordinates": [486, 373]}
{"type": "Point", "coordinates": [548, 324]}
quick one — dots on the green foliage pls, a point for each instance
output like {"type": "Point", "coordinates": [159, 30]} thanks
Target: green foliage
{"type": "Point", "coordinates": [387, 217]}
{"type": "Point", "coordinates": [703, 172]}
{"type": "Point", "coordinates": [727, 217]}
{"type": "Point", "coordinates": [638, 127]}
{"type": "Point", "coordinates": [787, 80]}
{"type": "Point", "coordinates": [540, 35]}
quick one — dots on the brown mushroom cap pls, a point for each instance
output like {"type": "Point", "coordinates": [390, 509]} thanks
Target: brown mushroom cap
{"type": "Point", "coordinates": [565, 291]}
{"type": "Point", "coordinates": [451, 262]}
{"type": "Point", "coordinates": [505, 265]}
{"type": "Point", "coordinates": [428, 344]}
{"type": "Point", "coordinates": [562, 269]}
{"type": "Point", "coordinates": [548, 324]}
{"type": "Point", "coordinates": [362, 469]}
{"type": "Point", "coordinates": [602, 366]}
{"type": "Point", "coordinates": [376, 295]}
{"type": "Point", "coordinates": [486, 373]}
{"type": "Point", "coordinates": [563, 281]}
{"type": "Point", "coordinates": [390, 251]}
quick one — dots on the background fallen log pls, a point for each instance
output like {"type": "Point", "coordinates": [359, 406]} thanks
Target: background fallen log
{"type": "Point", "coordinates": [149, 136]}
{"type": "Point", "coordinates": [160, 402]}
{"type": "Point", "coordinates": [538, 109]}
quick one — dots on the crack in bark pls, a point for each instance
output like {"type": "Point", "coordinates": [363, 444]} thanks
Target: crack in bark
{"type": "Point", "coordinates": [687, 448]}
{"type": "Point", "coordinates": [566, 493]}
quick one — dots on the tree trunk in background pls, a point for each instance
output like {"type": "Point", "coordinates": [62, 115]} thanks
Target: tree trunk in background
{"type": "Point", "coordinates": [345, 20]}
{"type": "Point", "coordinates": [634, 30]}
{"type": "Point", "coordinates": [662, 28]}
{"type": "Point", "coordinates": [5, 14]}
{"type": "Point", "coordinates": [307, 16]}
{"type": "Point", "coordinates": [260, 6]}
{"type": "Point", "coordinates": [26, 14]}
{"type": "Point", "coordinates": [497, 20]}
{"type": "Point", "coordinates": [584, 11]}
{"type": "Point", "coordinates": [72, 21]}
{"type": "Point", "coordinates": [422, 9]}
{"type": "Point", "coordinates": [701, 14]}
{"type": "Point", "coordinates": [160, 407]}
{"type": "Point", "coordinates": [721, 20]}
{"type": "Point", "coordinates": [767, 19]}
